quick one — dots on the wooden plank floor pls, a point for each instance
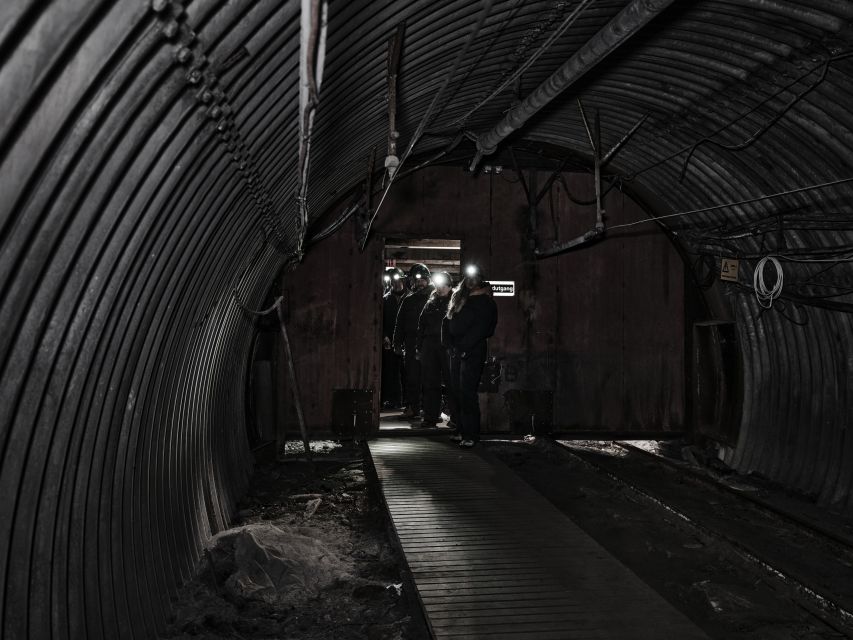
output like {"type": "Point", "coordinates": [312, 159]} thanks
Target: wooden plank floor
{"type": "Point", "coordinates": [492, 558]}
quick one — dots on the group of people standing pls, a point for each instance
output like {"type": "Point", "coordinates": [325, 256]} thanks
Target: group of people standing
{"type": "Point", "coordinates": [435, 346]}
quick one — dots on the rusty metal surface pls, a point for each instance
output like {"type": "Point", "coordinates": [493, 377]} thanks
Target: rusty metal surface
{"type": "Point", "coordinates": [334, 301]}
{"type": "Point", "coordinates": [603, 329]}
{"type": "Point", "coordinates": [147, 148]}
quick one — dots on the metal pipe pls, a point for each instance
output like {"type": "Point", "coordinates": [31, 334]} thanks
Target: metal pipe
{"type": "Point", "coordinates": [472, 36]}
{"type": "Point", "coordinates": [438, 156]}
{"type": "Point", "coordinates": [597, 232]}
{"type": "Point", "coordinates": [629, 21]}
{"type": "Point", "coordinates": [586, 127]}
{"type": "Point", "coordinates": [551, 180]}
{"type": "Point", "coordinates": [618, 146]}
{"type": "Point", "coordinates": [599, 210]}
{"type": "Point", "coordinates": [590, 236]}
{"type": "Point", "coordinates": [395, 45]}
{"type": "Point", "coordinates": [312, 56]}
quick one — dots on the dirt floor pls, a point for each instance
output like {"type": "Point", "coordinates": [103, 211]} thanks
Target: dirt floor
{"type": "Point", "coordinates": [311, 558]}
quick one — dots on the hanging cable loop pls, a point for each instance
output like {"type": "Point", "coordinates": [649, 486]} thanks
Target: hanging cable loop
{"type": "Point", "coordinates": [764, 295]}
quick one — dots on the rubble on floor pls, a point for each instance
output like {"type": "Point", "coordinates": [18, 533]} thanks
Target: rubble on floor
{"type": "Point", "coordinates": [310, 558]}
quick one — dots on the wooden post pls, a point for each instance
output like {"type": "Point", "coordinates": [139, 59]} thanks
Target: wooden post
{"type": "Point", "coordinates": [293, 384]}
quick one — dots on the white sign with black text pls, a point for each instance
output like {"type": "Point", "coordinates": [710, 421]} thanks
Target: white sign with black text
{"type": "Point", "coordinates": [503, 287]}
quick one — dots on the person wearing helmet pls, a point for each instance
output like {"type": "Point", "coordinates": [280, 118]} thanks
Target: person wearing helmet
{"type": "Point", "coordinates": [434, 359]}
{"type": "Point", "coordinates": [391, 394]}
{"type": "Point", "coordinates": [471, 320]}
{"type": "Point", "coordinates": [406, 335]}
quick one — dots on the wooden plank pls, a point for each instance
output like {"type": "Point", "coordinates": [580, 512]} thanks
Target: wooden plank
{"type": "Point", "coordinates": [497, 560]}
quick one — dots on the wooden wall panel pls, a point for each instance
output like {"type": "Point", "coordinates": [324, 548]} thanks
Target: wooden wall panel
{"type": "Point", "coordinates": [602, 327]}
{"type": "Point", "coordinates": [621, 353]}
{"type": "Point", "coordinates": [333, 324]}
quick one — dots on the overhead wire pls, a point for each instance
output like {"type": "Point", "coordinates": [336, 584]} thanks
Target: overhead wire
{"type": "Point", "coordinates": [334, 226]}
{"type": "Point", "coordinates": [733, 204]}
{"type": "Point", "coordinates": [312, 56]}
{"type": "Point", "coordinates": [615, 182]}
{"type": "Point", "coordinates": [690, 147]}
{"type": "Point", "coordinates": [807, 260]}
{"type": "Point", "coordinates": [484, 13]}
{"type": "Point", "coordinates": [473, 67]}
{"type": "Point", "coordinates": [559, 31]}
{"type": "Point", "coordinates": [251, 263]}
{"type": "Point", "coordinates": [795, 219]}
{"type": "Point", "coordinates": [764, 128]}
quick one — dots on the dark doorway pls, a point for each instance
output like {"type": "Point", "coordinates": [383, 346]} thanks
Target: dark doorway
{"type": "Point", "coordinates": [438, 255]}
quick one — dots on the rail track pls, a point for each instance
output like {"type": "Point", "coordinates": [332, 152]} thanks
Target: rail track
{"type": "Point", "coordinates": [814, 559]}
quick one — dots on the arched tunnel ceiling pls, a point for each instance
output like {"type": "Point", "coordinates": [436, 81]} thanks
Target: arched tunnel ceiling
{"type": "Point", "coordinates": [148, 163]}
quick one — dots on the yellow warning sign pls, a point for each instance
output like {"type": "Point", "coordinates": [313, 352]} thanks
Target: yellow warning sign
{"type": "Point", "coordinates": [729, 269]}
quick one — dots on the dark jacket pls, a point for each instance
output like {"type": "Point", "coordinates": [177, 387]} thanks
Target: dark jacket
{"type": "Point", "coordinates": [406, 328]}
{"type": "Point", "coordinates": [472, 324]}
{"type": "Point", "coordinates": [390, 307]}
{"type": "Point", "coordinates": [429, 324]}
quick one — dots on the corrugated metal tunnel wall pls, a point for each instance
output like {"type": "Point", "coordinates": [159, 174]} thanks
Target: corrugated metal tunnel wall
{"type": "Point", "coordinates": [148, 155]}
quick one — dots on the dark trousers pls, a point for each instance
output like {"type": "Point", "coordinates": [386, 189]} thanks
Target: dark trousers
{"type": "Point", "coordinates": [465, 373]}
{"type": "Point", "coordinates": [435, 373]}
{"type": "Point", "coordinates": [413, 379]}
{"type": "Point", "coordinates": [392, 388]}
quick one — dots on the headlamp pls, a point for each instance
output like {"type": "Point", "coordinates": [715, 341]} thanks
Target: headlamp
{"type": "Point", "coordinates": [417, 276]}
{"type": "Point", "coordinates": [396, 276]}
{"type": "Point", "coordinates": [387, 278]}
{"type": "Point", "coordinates": [471, 271]}
{"type": "Point", "coordinates": [440, 280]}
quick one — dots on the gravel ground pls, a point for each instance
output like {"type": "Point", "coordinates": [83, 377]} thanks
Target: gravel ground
{"type": "Point", "coordinates": [310, 558]}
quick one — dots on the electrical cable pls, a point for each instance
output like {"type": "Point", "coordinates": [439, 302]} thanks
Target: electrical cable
{"type": "Point", "coordinates": [486, 50]}
{"type": "Point", "coordinates": [734, 204]}
{"type": "Point", "coordinates": [816, 221]}
{"type": "Point", "coordinates": [263, 312]}
{"type": "Point", "coordinates": [725, 126]}
{"type": "Point", "coordinates": [334, 226]}
{"type": "Point", "coordinates": [555, 226]}
{"type": "Point", "coordinates": [800, 323]}
{"type": "Point", "coordinates": [708, 232]}
{"type": "Point", "coordinates": [805, 256]}
{"type": "Point", "coordinates": [312, 58]}
{"type": "Point", "coordinates": [252, 263]}
{"type": "Point", "coordinates": [763, 294]}
{"type": "Point", "coordinates": [832, 305]}
{"type": "Point", "coordinates": [484, 13]}
{"type": "Point", "coordinates": [615, 182]}
{"type": "Point", "coordinates": [820, 272]}
{"type": "Point", "coordinates": [809, 260]}
{"type": "Point", "coordinates": [559, 31]}
{"type": "Point", "coordinates": [764, 128]}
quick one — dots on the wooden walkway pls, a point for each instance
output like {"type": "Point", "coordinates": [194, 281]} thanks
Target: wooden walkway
{"type": "Point", "coordinates": [492, 558]}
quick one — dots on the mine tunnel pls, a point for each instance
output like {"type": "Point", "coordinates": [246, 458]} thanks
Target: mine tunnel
{"type": "Point", "coordinates": [200, 202]}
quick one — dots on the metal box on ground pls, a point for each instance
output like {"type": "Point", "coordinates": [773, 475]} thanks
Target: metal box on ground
{"type": "Point", "coordinates": [717, 381]}
{"type": "Point", "coordinates": [531, 411]}
{"type": "Point", "coordinates": [352, 413]}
